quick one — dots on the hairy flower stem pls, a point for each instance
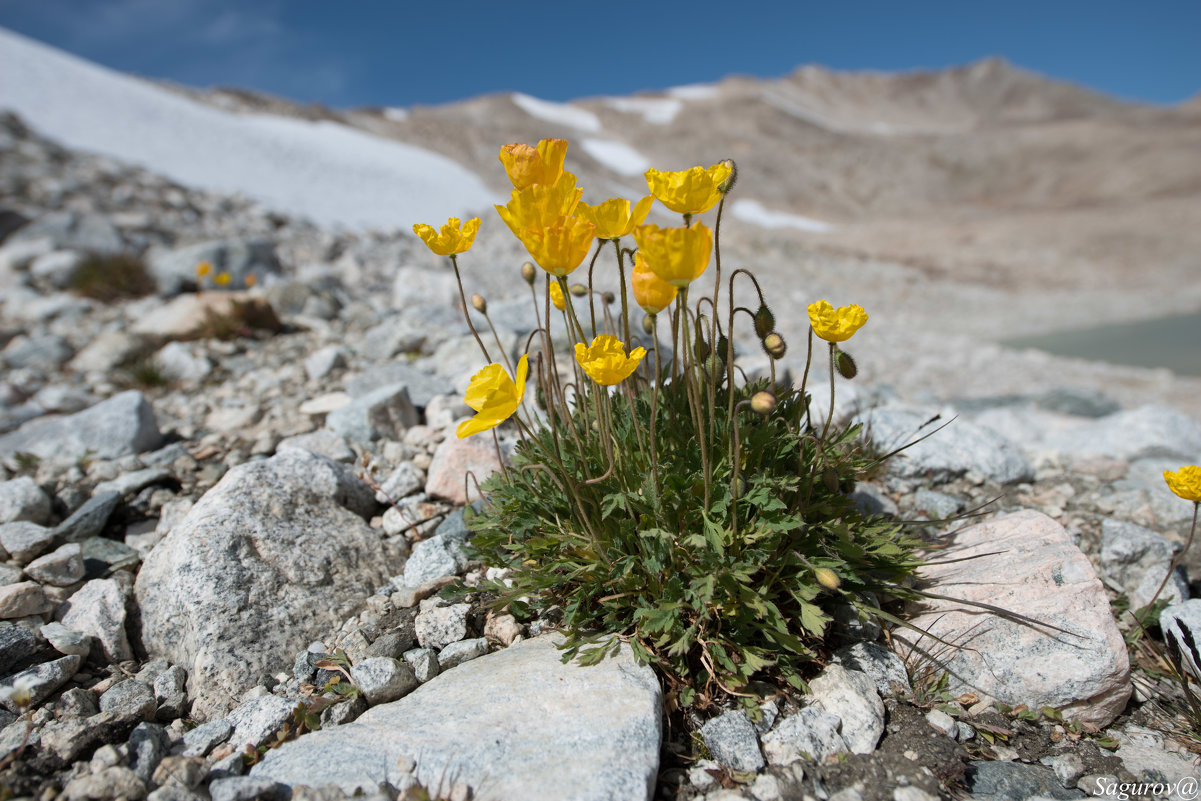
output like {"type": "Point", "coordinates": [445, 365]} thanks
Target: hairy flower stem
{"type": "Point", "coordinates": [569, 482]}
{"type": "Point", "coordinates": [454, 262]}
{"type": "Point", "coordinates": [625, 312]}
{"type": "Point", "coordinates": [655, 405]}
{"type": "Point", "coordinates": [600, 243]}
{"type": "Point", "coordinates": [504, 353]}
{"type": "Point", "coordinates": [1179, 556]}
{"type": "Point", "coordinates": [693, 388]}
{"type": "Point", "coordinates": [830, 415]}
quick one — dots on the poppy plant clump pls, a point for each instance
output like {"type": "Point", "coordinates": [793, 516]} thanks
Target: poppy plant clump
{"type": "Point", "coordinates": [656, 496]}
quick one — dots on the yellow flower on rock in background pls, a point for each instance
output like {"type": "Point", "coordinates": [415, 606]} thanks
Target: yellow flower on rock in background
{"type": "Point", "coordinates": [561, 248]}
{"type": "Point", "coordinates": [691, 191]}
{"type": "Point", "coordinates": [836, 325]}
{"type": "Point", "coordinates": [528, 165]}
{"type": "Point", "coordinates": [651, 292]}
{"type": "Point", "coordinates": [222, 278]}
{"type": "Point", "coordinates": [556, 296]}
{"type": "Point", "coordinates": [541, 205]}
{"type": "Point", "coordinates": [203, 269]}
{"type": "Point", "coordinates": [1185, 482]}
{"type": "Point", "coordinates": [677, 255]}
{"type": "Point", "coordinates": [455, 236]}
{"type": "Point", "coordinates": [494, 397]}
{"type": "Point", "coordinates": [614, 218]}
{"type": "Point", "coordinates": [605, 360]}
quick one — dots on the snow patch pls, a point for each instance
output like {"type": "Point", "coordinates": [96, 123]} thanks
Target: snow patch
{"type": "Point", "coordinates": [328, 172]}
{"type": "Point", "coordinates": [560, 113]}
{"type": "Point", "coordinates": [617, 156]}
{"type": "Point", "coordinates": [694, 91]}
{"type": "Point", "coordinates": [753, 211]}
{"type": "Point", "coordinates": [655, 110]}
{"type": "Point", "coordinates": [396, 114]}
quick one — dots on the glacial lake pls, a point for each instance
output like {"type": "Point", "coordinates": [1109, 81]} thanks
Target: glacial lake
{"type": "Point", "coordinates": [1171, 342]}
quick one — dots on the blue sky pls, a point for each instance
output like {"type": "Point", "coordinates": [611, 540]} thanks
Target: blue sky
{"type": "Point", "coordinates": [374, 52]}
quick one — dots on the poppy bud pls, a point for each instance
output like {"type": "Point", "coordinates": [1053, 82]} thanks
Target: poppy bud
{"type": "Point", "coordinates": [830, 479]}
{"type": "Point", "coordinates": [774, 345]}
{"type": "Point", "coordinates": [579, 290]}
{"type": "Point", "coordinates": [648, 324]}
{"type": "Point", "coordinates": [478, 302]}
{"type": "Point", "coordinates": [827, 578]}
{"type": "Point", "coordinates": [527, 272]}
{"type": "Point", "coordinates": [725, 186]}
{"type": "Point", "coordinates": [723, 347]}
{"type": "Point", "coordinates": [845, 364]}
{"type": "Point", "coordinates": [763, 403]}
{"type": "Point", "coordinates": [765, 321]}
{"type": "Point", "coordinates": [700, 346]}
{"type": "Point", "coordinates": [609, 298]}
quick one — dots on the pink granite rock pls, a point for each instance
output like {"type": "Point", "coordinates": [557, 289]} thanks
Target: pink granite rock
{"type": "Point", "coordinates": [1024, 563]}
{"type": "Point", "coordinates": [453, 459]}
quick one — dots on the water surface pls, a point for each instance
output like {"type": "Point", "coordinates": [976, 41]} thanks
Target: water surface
{"type": "Point", "coordinates": [1171, 342]}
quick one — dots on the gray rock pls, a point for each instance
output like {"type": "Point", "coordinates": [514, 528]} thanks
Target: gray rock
{"type": "Point", "coordinates": [392, 336]}
{"type": "Point", "coordinates": [107, 351]}
{"type": "Point", "coordinates": [185, 771]}
{"type": "Point", "coordinates": [276, 554]}
{"type": "Point", "coordinates": [882, 666]}
{"type": "Point", "coordinates": [173, 792]}
{"type": "Point", "coordinates": [207, 736]}
{"type": "Point", "coordinates": [102, 556]}
{"type": "Point", "coordinates": [98, 609]}
{"type": "Point", "coordinates": [258, 719]}
{"type": "Point", "coordinates": [25, 541]}
{"type": "Point", "coordinates": [129, 483]}
{"type": "Point", "coordinates": [1068, 767]}
{"type": "Point", "coordinates": [59, 568]}
{"type": "Point", "coordinates": [56, 268]}
{"type": "Point", "coordinates": [343, 711]}
{"type": "Point", "coordinates": [76, 703]}
{"type": "Point", "coordinates": [23, 599]}
{"type": "Point", "coordinates": [382, 413]}
{"type": "Point", "coordinates": [406, 479]}
{"type": "Point", "coordinates": [732, 740]}
{"type": "Point", "coordinates": [17, 644]}
{"type": "Point", "coordinates": [942, 722]}
{"type": "Point", "coordinates": [393, 644]}
{"type": "Point", "coordinates": [1134, 560]}
{"type": "Point", "coordinates": [76, 737]}
{"type": "Point", "coordinates": [872, 500]}
{"type": "Point", "coordinates": [39, 351]}
{"type": "Point", "coordinates": [596, 734]}
{"type": "Point", "coordinates": [959, 448]}
{"type": "Point", "coordinates": [120, 426]}
{"type": "Point", "coordinates": [58, 399]}
{"type": "Point", "coordinates": [148, 744]}
{"type": "Point", "coordinates": [1182, 625]}
{"type": "Point", "coordinates": [1134, 434]}
{"type": "Point", "coordinates": [71, 230]}
{"type": "Point", "coordinates": [322, 442]}
{"type": "Point", "coordinates": [936, 505]}
{"type": "Point", "coordinates": [812, 733]}
{"type": "Point", "coordinates": [112, 782]}
{"type": "Point", "coordinates": [248, 788]}
{"type": "Point", "coordinates": [130, 699]}
{"type": "Point", "coordinates": [179, 362]}
{"type": "Point", "coordinates": [323, 362]}
{"type": "Point", "coordinates": [174, 270]}
{"type": "Point", "coordinates": [43, 679]}
{"type": "Point", "coordinates": [10, 574]}
{"type": "Point", "coordinates": [1015, 781]}
{"type": "Point", "coordinates": [382, 679]}
{"type": "Point", "coordinates": [1152, 757]}
{"type": "Point", "coordinates": [433, 558]}
{"type": "Point", "coordinates": [424, 662]}
{"type": "Point", "coordinates": [851, 696]}
{"type": "Point", "coordinates": [456, 653]}
{"type": "Point", "coordinates": [421, 386]}
{"type": "Point", "coordinates": [170, 692]}
{"type": "Point", "coordinates": [89, 519]}
{"type": "Point", "coordinates": [22, 499]}
{"type": "Point", "coordinates": [439, 626]}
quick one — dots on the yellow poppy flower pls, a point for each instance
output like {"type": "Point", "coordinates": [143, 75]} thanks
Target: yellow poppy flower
{"type": "Point", "coordinates": [651, 292]}
{"type": "Point", "coordinates": [836, 325]}
{"type": "Point", "coordinates": [221, 279]}
{"type": "Point", "coordinates": [560, 248]}
{"type": "Point", "coordinates": [691, 191]}
{"type": "Point", "coordinates": [541, 205]}
{"type": "Point", "coordinates": [677, 255]}
{"type": "Point", "coordinates": [613, 218]}
{"type": "Point", "coordinates": [528, 165]}
{"type": "Point", "coordinates": [605, 360]}
{"type": "Point", "coordinates": [203, 269]}
{"type": "Point", "coordinates": [455, 237]}
{"type": "Point", "coordinates": [556, 296]}
{"type": "Point", "coordinates": [494, 396]}
{"type": "Point", "coordinates": [1185, 482]}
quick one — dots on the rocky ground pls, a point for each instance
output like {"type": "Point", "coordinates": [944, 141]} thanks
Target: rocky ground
{"type": "Point", "coordinates": [208, 593]}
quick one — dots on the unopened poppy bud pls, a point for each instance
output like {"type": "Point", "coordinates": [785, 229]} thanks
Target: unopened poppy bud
{"type": "Point", "coordinates": [723, 348]}
{"type": "Point", "coordinates": [527, 272]}
{"type": "Point", "coordinates": [763, 403]}
{"type": "Point", "coordinates": [774, 345]}
{"type": "Point", "coordinates": [579, 290]}
{"type": "Point", "coordinates": [648, 324]}
{"type": "Point", "coordinates": [725, 186]}
{"type": "Point", "coordinates": [478, 302]}
{"type": "Point", "coordinates": [827, 578]}
{"type": "Point", "coordinates": [765, 321]}
{"type": "Point", "coordinates": [830, 479]}
{"type": "Point", "coordinates": [609, 298]}
{"type": "Point", "coordinates": [845, 364]}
